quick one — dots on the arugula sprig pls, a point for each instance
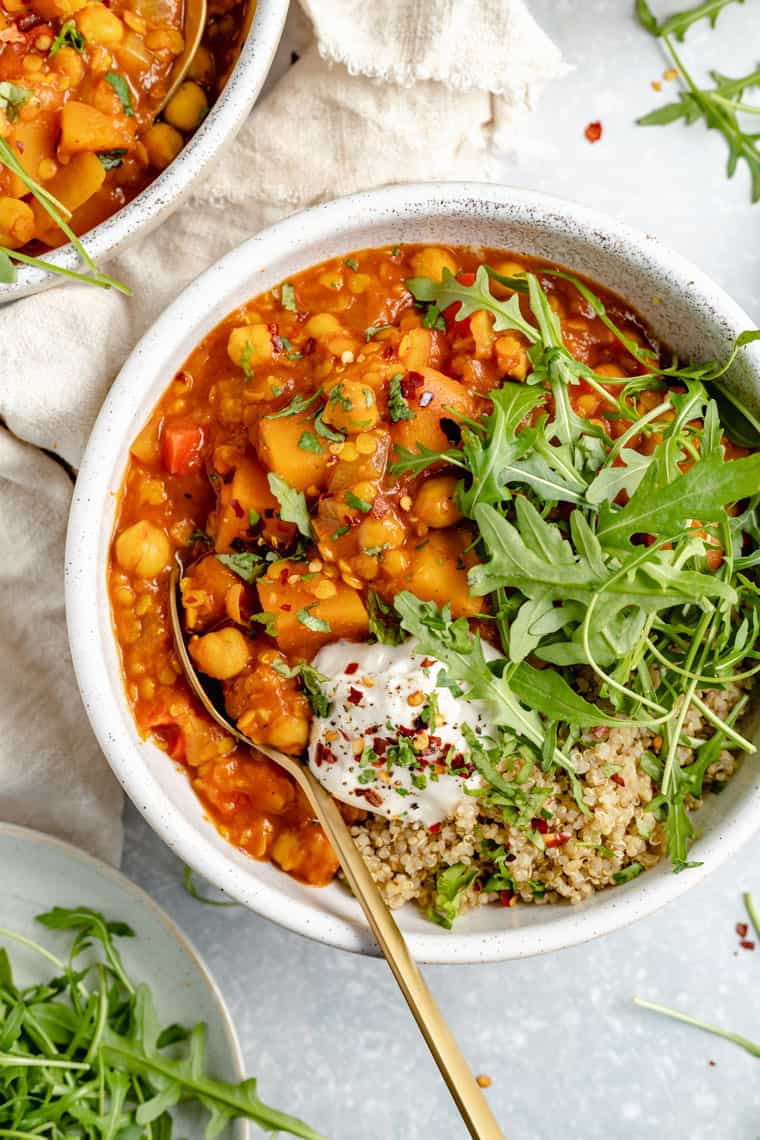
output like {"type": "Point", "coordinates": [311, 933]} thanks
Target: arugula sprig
{"type": "Point", "coordinates": [84, 1054]}
{"type": "Point", "coordinates": [718, 106]}
{"type": "Point", "coordinates": [679, 23]}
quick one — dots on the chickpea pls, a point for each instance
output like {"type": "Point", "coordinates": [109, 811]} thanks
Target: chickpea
{"type": "Point", "coordinates": [386, 532]}
{"type": "Point", "coordinates": [222, 654]}
{"type": "Point", "coordinates": [68, 62]}
{"type": "Point", "coordinates": [611, 370]}
{"type": "Point", "coordinates": [435, 503]}
{"type": "Point", "coordinates": [290, 734]}
{"type": "Point", "coordinates": [168, 40]}
{"type": "Point", "coordinates": [163, 143]}
{"type": "Point", "coordinates": [351, 407]}
{"type": "Point", "coordinates": [16, 223]}
{"type": "Point", "coordinates": [202, 66]}
{"type": "Point", "coordinates": [250, 345]}
{"type": "Point", "coordinates": [187, 107]}
{"type": "Point", "coordinates": [322, 325]}
{"type": "Point", "coordinates": [143, 549]}
{"type": "Point", "coordinates": [431, 262]}
{"type": "Point", "coordinates": [99, 26]}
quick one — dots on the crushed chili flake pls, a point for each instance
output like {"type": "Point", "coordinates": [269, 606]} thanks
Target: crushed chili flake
{"type": "Point", "coordinates": [324, 755]}
{"type": "Point", "coordinates": [599, 732]}
{"type": "Point", "coordinates": [239, 512]}
{"type": "Point", "coordinates": [308, 346]}
{"type": "Point", "coordinates": [427, 662]}
{"type": "Point", "coordinates": [746, 944]}
{"type": "Point", "coordinates": [617, 779]}
{"type": "Point", "coordinates": [558, 840]}
{"type": "Point", "coordinates": [711, 1064]}
{"type": "Point", "coordinates": [388, 351]}
{"type": "Point", "coordinates": [351, 667]}
{"type": "Point", "coordinates": [434, 828]}
{"type": "Point", "coordinates": [539, 825]}
{"type": "Point", "coordinates": [593, 131]}
{"type": "Point", "coordinates": [410, 384]}
{"type": "Point", "coordinates": [507, 898]}
{"type": "Point", "coordinates": [286, 606]}
{"type": "Point", "coordinates": [370, 795]}
{"type": "Point", "coordinates": [742, 929]}
{"type": "Point", "coordinates": [355, 696]}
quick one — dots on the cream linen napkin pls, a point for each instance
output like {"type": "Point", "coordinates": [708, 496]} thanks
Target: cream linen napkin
{"type": "Point", "coordinates": [381, 93]}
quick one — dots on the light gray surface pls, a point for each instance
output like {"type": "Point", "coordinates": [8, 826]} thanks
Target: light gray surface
{"type": "Point", "coordinates": [326, 1033]}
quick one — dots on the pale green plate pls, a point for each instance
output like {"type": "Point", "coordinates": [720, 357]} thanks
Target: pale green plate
{"type": "Point", "coordinates": [38, 873]}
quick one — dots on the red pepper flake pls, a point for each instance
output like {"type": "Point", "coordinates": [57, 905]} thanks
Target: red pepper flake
{"type": "Point", "coordinates": [427, 662]}
{"type": "Point", "coordinates": [239, 512]}
{"type": "Point", "coordinates": [380, 745]}
{"type": "Point", "coordinates": [434, 828]}
{"type": "Point", "coordinates": [30, 21]}
{"type": "Point", "coordinates": [477, 886]}
{"type": "Point", "coordinates": [284, 575]}
{"type": "Point", "coordinates": [370, 795]}
{"type": "Point", "coordinates": [351, 667]}
{"type": "Point", "coordinates": [558, 840]}
{"type": "Point", "coordinates": [746, 944]}
{"type": "Point", "coordinates": [286, 606]}
{"type": "Point", "coordinates": [593, 131]}
{"type": "Point", "coordinates": [410, 384]}
{"type": "Point", "coordinates": [600, 732]}
{"type": "Point", "coordinates": [388, 351]}
{"type": "Point", "coordinates": [711, 1064]}
{"type": "Point", "coordinates": [507, 898]}
{"type": "Point", "coordinates": [539, 825]}
{"type": "Point", "coordinates": [308, 346]}
{"type": "Point", "coordinates": [324, 755]}
{"type": "Point", "coordinates": [20, 146]}
{"type": "Point", "coordinates": [425, 399]}
{"type": "Point", "coordinates": [355, 696]}
{"type": "Point", "coordinates": [742, 929]}
{"type": "Point", "coordinates": [617, 779]}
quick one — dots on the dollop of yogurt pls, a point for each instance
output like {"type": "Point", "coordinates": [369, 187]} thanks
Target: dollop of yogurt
{"type": "Point", "coordinates": [393, 742]}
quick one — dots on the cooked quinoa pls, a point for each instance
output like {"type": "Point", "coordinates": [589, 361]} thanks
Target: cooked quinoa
{"type": "Point", "coordinates": [591, 849]}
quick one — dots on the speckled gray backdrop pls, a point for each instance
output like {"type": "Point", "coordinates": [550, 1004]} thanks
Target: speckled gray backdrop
{"type": "Point", "coordinates": [326, 1033]}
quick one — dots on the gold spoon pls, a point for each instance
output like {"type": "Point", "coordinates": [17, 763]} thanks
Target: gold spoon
{"type": "Point", "coordinates": [472, 1104]}
{"type": "Point", "coordinates": [194, 13]}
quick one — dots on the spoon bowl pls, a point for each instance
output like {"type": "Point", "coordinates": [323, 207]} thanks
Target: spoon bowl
{"type": "Point", "coordinates": [472, 1104]}
{"type": "Point", "coordinates": [194, 15]}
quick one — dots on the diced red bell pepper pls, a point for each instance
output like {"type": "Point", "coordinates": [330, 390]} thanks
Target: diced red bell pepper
{"type": "Point", "coordinates": [181, 447]}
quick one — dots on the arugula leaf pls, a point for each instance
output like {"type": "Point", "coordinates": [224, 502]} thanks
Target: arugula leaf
{"type": "Point", "coordinates": [248, 565]}
{"type": "Point", "coordinates": [450, 885]}
{"type": "Point", "coordinates": [679, 23]}
{"type": "Point", "coordinates": [121, 87]}
{"type": "Point", "coordinates": [12, 99]}
{"type": "Point", "coordinates": [188, 882]}
{"type": "Point", "coordinates": [298, 404]}
{"type": "Point", "coordinates": [549, 693]}
{"type": "Point", "coordinates": [701, 493]}
{"type": "Point", "coordinates": [293, 507]}
{"type": "Point", "coordinates": [68, 36]}
{"type": "Point", "coordinates": [111, 159]}
{"type": "Point", "coordinates": [472, 298]}
{"type": "Point", "coordinates": [610, 481]}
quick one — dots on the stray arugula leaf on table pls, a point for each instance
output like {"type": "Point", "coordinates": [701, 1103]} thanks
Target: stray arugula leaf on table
{"type": "Point", "coordinates": [188, 883]}
{"type": "Point", "coordinates": [679, 23]}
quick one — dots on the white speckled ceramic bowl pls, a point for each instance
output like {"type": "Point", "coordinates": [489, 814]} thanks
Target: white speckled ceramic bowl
{"type": "Point", "coordinates": [167, 191]}
{"type": "Point", "coordinates": [683, 306]}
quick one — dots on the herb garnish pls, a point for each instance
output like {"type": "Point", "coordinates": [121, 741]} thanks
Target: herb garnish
{"type": "Point", "coordinates": [121, 87]}
{"type": "Point", "coordinates": [384, 625]}
{"type": "Point", "coordinates": [293, 507]}
{"type": "Point", "coordinates": [398, 408]}
{"type": "Point", "coordinates": [111, 159]}
{"type": "Point", "coordinates": [83, 1054]}
{"type": "Point", "coordinates": [450, 885]}
{"type": "Point", "coordinates": [312, 681]}
{"type": "Point", "coordinates": [288, 297]}
{"type": "Point", "coordinates": [12, 99]}
{"type": "Point", "coordinates": [188, 882]}
{"type": "Point", "coordinates": [358, 504]}
{"type": "Point", "coordinates": [311, 621]}
{"type": "Point", "coordinates": [679, 23]}
{"type": "Point", "coordinates": [373, 330]}
{"type": "Point", "coordinates": [68, 36]}
{"type": "Point", "coordinates": [248, 564]}
{"type": "Point", "coordinates": [309, 442]}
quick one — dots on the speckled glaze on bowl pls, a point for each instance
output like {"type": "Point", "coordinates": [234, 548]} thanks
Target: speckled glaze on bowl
{"type": "Point", "coordinates": [682, 305]}
{"type": "Point", "coordinates": [168, 190]}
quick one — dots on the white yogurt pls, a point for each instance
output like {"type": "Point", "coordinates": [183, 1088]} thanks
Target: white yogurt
{"type": "Point", "coordinates": [374, 750]}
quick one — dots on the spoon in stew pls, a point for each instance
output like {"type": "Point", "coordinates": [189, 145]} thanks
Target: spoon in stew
{"type": "Point", "coordinates": [472, 1104]}
{"type": "Point", "coordinates": [194, 14]}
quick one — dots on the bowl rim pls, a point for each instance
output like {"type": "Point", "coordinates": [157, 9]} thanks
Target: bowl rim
{"type": "Point", "coordinates": [161, 196]}
{"type": "Point", "coordinates": [400, 203]}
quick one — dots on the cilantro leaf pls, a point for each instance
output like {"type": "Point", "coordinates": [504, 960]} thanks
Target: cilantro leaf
{"type": "Point", "coordinates": [288, 297]}
{"type": "Point", "coordinates": [450, 885]}
{"type": "Point", "coordinates": [383, 623]}
{"type": "Point", "coordinates": [121, 87]}
{"type": "Point", "coordinates": [293, 507]}
{"type": "Point", "coordinates": [248, 565]}
{"type": "Point", "coordinates": [68, 36]}
{"type": "Point", "coordinates": [398, 408]}
{"type": "Point", "coordinates": [12, 99]}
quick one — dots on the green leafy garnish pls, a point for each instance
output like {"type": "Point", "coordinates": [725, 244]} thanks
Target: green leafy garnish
{"type": "Point", "coordinates": [356, 503]}
{"type": "Point", "coordinates": [679, 23]}
{"type": "Point", "coordinates": [309, 442]}
{"type": "Point", "coordinates": [288, 297]}
{"type": "Point", "coordinates": [311, 621]}
{"type": "Point", "coordinates": [373, 330]}
{"type": "Point", "coordinates": [188, 882]}
{"type": "Point", "coordinates": [352, 264]}
{"type": "Point", "coordinates": [384, 624]}
{"type": "Point", "coordinates": [248, 564]}
{"type": "Point", "coordinates": [398, 408]}
{"type": "Point", "coordinates": [293, 507]}
{"type": "Point", "coordinates": [632, 871]}
{"type": "Point", "coordinates": [84, 1054]}
{"type": "Point", "coordinates": [450, 885]}
{"type": "Point", "coordinates": [297, 405]}
{"type": "Point", "coordinates": [12, 99]}
{"type": "Point", "coordinates": [312, 681]}
{"type": "Point", "coordinates": [121, 87]}
{"type": "Point", "coordinates": [719, 106]}
{"type": "Point", "coordinates": [68, 36]}
{"type": "Point", "coordinates": [111, 159]}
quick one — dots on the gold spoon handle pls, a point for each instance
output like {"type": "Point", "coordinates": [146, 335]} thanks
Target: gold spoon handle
{"type": "Point", "coordinates": [472, 1104]}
